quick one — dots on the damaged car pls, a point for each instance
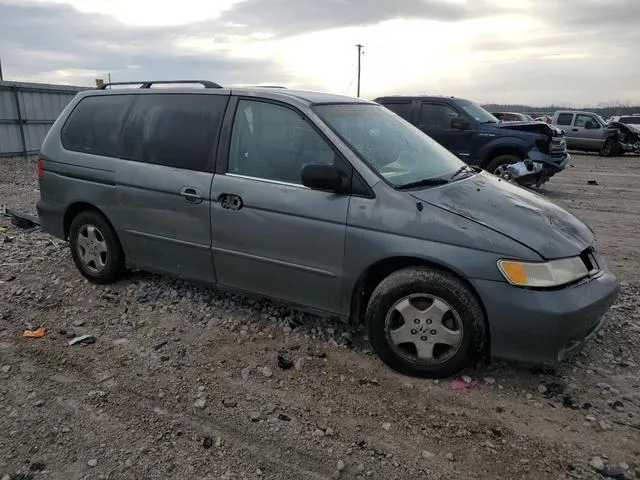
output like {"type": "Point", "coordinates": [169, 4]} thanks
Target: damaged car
{"type": "Point", "coordinates": [624, 138]}
{"type": "Point", "coordinates": [526, 152]}
{"type": "Point", "coordinates": [587, 131]}
{"type": "Point", "coordinates": [512, 116]}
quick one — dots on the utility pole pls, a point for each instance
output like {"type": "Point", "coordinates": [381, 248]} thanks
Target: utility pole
{"type": "Point", "coordinates": [1, 77]}
{"type": "Point", "coordinates": [360, 52]}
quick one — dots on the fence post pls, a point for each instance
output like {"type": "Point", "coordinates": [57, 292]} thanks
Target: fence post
{"type": "Point", "coordinates": [20, 123]}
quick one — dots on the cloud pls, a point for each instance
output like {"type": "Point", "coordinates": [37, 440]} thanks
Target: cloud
{"type": "Point", "coordinates": [56, 43]}
{"type": "Point", "coordinates": [591, 14]}
{"type": "Point", "coordinates": [292, 17]}
{"type": "Point", "coordinates": [530, 51]}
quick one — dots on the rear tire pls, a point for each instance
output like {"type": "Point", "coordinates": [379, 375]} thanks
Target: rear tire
{"type": "Point", "coordinates": [498, 165]}
{"type": "Point", "coordinates": [95, 248]}
{"type": "Point", "coordinates": [425, 322]}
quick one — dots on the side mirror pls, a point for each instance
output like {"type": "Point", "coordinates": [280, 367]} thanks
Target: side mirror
{"type": "Point", "coordinates": [320, 176]}
{"type": "Point", "coordinates": [459, 123]}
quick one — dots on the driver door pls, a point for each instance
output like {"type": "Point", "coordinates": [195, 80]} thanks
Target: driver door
{"type": "Point", "coordinates": [272, 235]}
{"type": "Point", "coordinates": [588, 138]}
{"type": "Point", "coordinates": [435, 120]}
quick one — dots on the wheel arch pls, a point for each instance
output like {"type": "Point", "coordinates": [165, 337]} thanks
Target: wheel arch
{"type": "Point", "coordinates": [497, 150]}
{"type": "Point", "coordinates": [77, 208]}
{"type": "Point", "coordinates": [371, 277]}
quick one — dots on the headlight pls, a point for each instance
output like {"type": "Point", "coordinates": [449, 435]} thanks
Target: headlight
{"type": "Point", "coordinates": [548, 274]}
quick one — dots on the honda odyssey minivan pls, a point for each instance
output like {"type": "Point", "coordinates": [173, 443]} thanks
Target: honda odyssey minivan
{"type": "Point", "coordinates": [331, 204]}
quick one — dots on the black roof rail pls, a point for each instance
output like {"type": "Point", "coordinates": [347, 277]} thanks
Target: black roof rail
{"type": "Point", "coordinates": [147, 84]}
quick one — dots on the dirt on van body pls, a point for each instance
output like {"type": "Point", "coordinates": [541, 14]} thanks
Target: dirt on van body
{"type": "Point", "coordinates": [185, 382]}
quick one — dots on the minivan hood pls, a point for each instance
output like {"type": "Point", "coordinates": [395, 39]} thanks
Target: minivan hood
{"type": "Point", "coordinates": [535, 127]}
{"type": "Point", "coordinates": [513, 211]}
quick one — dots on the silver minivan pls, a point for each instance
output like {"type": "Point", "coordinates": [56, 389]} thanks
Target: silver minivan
{"type": "Point", "coordinates": [331, 204]}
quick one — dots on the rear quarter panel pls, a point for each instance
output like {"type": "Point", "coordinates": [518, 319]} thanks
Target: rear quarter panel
{"type": "Point", "coordinates": [72, 177]}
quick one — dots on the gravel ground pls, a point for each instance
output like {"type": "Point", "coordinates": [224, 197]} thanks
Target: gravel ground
{"type": "Point", "coordinates": [185, 382]}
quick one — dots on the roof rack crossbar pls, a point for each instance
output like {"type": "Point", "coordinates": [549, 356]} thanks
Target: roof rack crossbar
{"type": "Point", "coordinates": [147, 84]}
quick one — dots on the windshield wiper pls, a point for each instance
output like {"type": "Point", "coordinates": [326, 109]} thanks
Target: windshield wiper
{"type": "Point", "coordinates": [462, 169]}
{"type": "Point", "coordinates": [487, 121]}
{"type": "Point", "coordinates": [425, 182]}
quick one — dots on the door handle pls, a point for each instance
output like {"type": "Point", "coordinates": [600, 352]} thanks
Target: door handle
{"type": "Point", "coordinates": [191, 195]}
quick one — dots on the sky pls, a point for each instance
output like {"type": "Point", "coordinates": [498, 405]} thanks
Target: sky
{"type": "Point", "coordinates": [537, 52]}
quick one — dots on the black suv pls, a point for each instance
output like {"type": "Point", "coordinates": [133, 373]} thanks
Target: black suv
{"type": "Point", "coordinates": [478, 138]}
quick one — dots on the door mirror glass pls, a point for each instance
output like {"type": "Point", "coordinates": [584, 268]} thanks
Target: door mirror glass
{"type": "Point", "coordinates": [459, 123]}
{"type": "Point", "coordinates": [321, 176]}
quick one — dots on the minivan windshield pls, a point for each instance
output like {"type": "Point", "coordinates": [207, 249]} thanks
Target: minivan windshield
{"type": "Point", "coordinates": [393, 147]}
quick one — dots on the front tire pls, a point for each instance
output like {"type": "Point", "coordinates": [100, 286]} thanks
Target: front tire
{"type": "Point", "coordinates": [498, 166]}
{"type": "Point", "coordinates": [425, 322]}
{"type": "Point", "coordinates": [95, 248]}
{"type": "Point", "coordinates": [608, 148]}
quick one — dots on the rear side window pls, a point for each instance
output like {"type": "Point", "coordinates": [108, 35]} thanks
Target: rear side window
{"type": "Point", "coordinates": [95, 124]}
{"type": "Point", "coordinates": [565, 119]}
{"type": "Point", "coordinates": [403, 109]}
{"type": "Point", "coordinates": [174, 130]}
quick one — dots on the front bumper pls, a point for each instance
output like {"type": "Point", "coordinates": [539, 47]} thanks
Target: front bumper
{"type": "Point", "coordinates": [545, 327]}
{"type": "Point", "coordinates": [537, 168]}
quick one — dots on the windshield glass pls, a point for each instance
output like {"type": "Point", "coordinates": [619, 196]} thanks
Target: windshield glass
{"type": "Point", "coordinates": [477, 112]}
{"type": "Point", "coordinates": [394, 148]}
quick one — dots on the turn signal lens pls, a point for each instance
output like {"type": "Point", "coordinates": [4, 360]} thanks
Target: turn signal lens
{"type": "Point", "coordinates": [514, 272]}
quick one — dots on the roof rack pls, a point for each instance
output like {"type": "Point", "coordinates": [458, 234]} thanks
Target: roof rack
{"type": "Point", "coordinates": [147, 84]}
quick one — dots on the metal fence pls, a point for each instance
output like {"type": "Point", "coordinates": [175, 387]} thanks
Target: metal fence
{"type": "Point", "coordinates": [27, 111]}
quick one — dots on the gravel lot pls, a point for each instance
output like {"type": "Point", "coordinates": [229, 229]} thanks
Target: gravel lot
{"type": "Point", "coordinates": [183, 382]}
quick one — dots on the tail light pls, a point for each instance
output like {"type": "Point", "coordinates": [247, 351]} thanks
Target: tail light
{"type": "Point", "coordinates": [40, 165]}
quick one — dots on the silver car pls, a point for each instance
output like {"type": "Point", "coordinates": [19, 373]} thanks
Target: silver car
{"type": "Point", "coordinates": [332, 204]}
